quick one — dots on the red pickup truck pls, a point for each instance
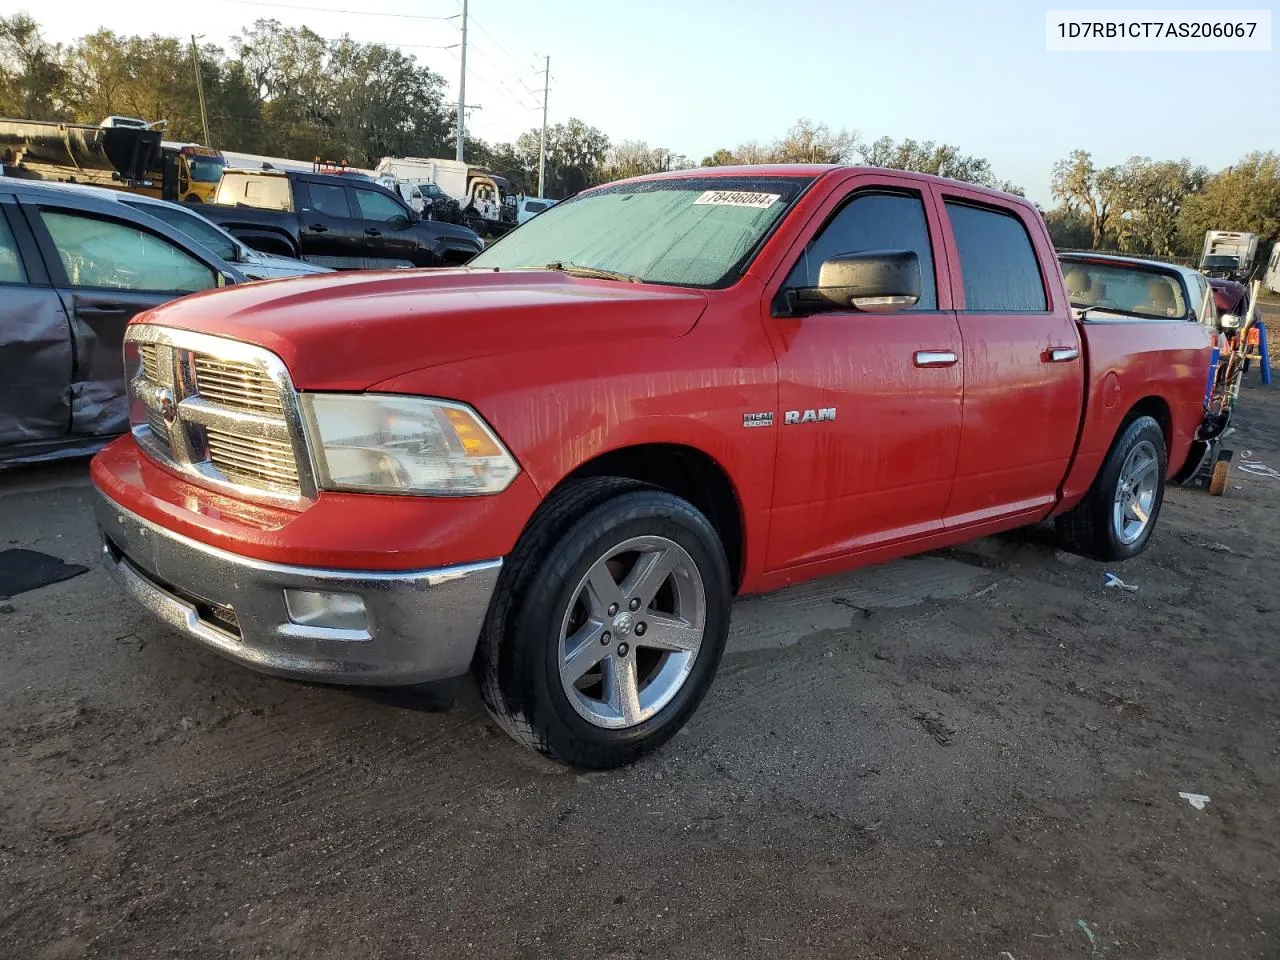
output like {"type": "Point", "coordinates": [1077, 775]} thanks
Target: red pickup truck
{"type": "Point", "coordinates": [557, 466]}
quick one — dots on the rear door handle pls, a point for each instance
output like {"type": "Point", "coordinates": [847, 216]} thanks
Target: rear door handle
{"type": "Point", "coordinates": [318, 228]}
{"type": "Point", "coordinates": [1062, 354]}
{"type": "Point", "coordinates": [935, 358]}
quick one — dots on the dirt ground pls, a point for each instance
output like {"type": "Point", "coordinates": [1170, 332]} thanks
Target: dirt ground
{"type": "Point", "coordinates": [973, 754]}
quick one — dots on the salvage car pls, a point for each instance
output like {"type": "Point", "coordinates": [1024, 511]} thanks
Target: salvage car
{"type": "Point", "coordinates": [75, 265]}
{"type": "Point", "coordinates": [1110, 287]}
{"type": "Point", "coordinates": [557, 467]}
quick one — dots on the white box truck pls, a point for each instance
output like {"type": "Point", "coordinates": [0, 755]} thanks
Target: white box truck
{"type": "Point", "coordinates": [476, 191]}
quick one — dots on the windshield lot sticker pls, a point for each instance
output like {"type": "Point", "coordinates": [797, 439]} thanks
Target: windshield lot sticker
{"type": "Point", "coordinates": [738, 198]}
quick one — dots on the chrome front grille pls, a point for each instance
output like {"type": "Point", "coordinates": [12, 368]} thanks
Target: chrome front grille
{"type": "Point", "coordinates": [253, 461]}
{"type": "Point", "coordinates": [223, 412]}
{"type": "Point", "coordinates": [241, 386]}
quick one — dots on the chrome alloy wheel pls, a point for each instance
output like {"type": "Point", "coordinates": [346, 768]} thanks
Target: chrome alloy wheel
{"type": "Point", "coordinates": [1136, 493]}
{"type": "Point", "coordinates": [632, 632]}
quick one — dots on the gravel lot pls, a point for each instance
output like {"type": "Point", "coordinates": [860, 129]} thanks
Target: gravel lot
{"type": "Point", "coordinates": [973, 754]}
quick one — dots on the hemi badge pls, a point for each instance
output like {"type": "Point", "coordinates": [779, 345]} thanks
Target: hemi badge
{"type": "Point", "coordinates": [757, 419]}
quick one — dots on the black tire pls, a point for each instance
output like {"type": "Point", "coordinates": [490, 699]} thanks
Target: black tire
{"type": "Point", "coordinates": [1088, 528]}
{"type": "Point", "coordinates": [517, 663]}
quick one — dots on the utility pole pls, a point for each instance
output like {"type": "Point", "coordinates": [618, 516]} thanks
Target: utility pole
{"type": "Point", "coordinates": [542, 142]}
{"type": "Point", "coordinates": [204, 117]}
{"type": "Point", "coordinates": [462, 86]}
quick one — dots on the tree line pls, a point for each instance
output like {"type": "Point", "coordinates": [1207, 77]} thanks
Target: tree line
{"type": "Point", "coordinates": [286, 91]}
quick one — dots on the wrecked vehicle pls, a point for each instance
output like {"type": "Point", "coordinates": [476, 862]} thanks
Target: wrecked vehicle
{"type": "Point", "coordinates": [557, 467]}
{"type": "Point", "coordinates": [76, 264]}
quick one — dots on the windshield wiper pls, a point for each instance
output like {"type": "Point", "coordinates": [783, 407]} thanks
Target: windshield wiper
{"type": "Point", "coordinates": [591, 273]}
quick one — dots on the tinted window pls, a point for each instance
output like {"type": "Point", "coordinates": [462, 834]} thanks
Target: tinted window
{"type": "Point", "coordinates": [193, 225]}
{"type": "Point", "coordinates": [997, 260]}
{"type": "Point", "coordinates": [535, 206]}
{"type": "Point", "coordinates": [120, 256]}
{"type": "Point", "coordinates": [329, 200]}
{"type": "Point", "coordinates": [377, 206]}
{"type": "Point", "coordinates": [872, 221]}
{"type": "Point", "coordinates": [10, 265]}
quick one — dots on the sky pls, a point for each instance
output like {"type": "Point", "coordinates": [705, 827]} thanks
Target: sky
{"type": "Point", "coordinates": [698, 75]}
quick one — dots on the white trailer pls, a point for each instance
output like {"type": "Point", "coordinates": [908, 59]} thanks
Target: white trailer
{"type": "Point", "coordinates": [473, 188]}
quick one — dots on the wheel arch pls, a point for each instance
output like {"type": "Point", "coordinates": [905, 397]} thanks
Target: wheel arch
{"type": "Point", "coordinates": [686, 472]}
{"type": "Point", "coordinates": [1157, 408]}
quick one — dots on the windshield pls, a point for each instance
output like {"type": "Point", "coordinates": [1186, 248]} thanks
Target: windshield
{"type": "Point", "coordinates": [1221, 263]}
{"type": "Point", "coordinates": [1124, 289]}
{"type": "Point", "coordinates": [206, 169]}
{"type": "Point", "coordinates": [691, 232]}
{"type": "Point", "coordinates": [192, 225]}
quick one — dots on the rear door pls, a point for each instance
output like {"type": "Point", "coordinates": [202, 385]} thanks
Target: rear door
{"type": "Point", "coordinates": [106, 270]}
{"type": "Point", "coordinates": [35, 340]}
{"type": "Point", "coordinates": [1024, 367]}
{"type": "Point", "coordinates": [387, 228]}
{"type": "Point", "coordinates": [869, 403]}
{"type": "Point", "coordinates": [331, 236]}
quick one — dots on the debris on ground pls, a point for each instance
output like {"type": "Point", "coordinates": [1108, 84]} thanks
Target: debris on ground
{"type": "Point", "coordinates": [1259, 469]}
{"type": "Point", "coordinates": [1111, 580]}
{"type": "Point", "coordinates": [1093, 942]}
{"type": "Point", "coordinates": [937, 727]}
{"type": "Point", "coordinates": [1197, 800]}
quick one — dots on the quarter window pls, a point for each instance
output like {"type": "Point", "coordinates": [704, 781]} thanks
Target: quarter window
{"type": "Point", "coordinates": [873, 221]}
{"type": "Point", "coordinates": [121, 256]}
{"type": "Point", "coordinates": [1001, 273]}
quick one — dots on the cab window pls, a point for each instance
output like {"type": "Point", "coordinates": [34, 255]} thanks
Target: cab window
{"type": "Point", "coordinates": [378, 206]}
{"type": "Point", "coordinates": [119, 256]}
{"type": "Point", "coordinates": [873, 221]}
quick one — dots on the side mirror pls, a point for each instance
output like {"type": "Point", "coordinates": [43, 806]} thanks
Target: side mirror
{"type": "Point", "coordinates": [877, 281]}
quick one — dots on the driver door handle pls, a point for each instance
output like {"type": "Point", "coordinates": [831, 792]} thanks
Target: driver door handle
{"type": "Point", "coordinates": [318, 228]}
{"type": "Point", "coordinates": [372, 232]}
{"type": "Point", "coordinates": [1061, 354]}
{"type": "Point", "coordinates": [935, 358]}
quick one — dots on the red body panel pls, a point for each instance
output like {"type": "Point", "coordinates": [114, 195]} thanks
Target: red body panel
{"type": "Point", "coordinates": [568, 369]}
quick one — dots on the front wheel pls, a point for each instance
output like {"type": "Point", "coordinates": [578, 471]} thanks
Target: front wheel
{"type": "Point", "coordinates": [611, 627]}
{"type": "Point", "coordinates": [1116, 518]}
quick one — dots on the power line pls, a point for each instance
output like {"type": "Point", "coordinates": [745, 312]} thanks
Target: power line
{"type": "Point", "coordinates": [514, 59]}
{"type": "Point", "coordinates": [358, 13]}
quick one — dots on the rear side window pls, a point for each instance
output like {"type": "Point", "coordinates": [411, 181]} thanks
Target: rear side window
{"type": "Point", "coordinates": [873, 221]}
{"type": "Point", "coordinates": [1001, 273]}
{"type": "Point", "coordinates": [121, 256]}
{"type": "Point", "coordinates": [329, 200]}
{"type": "Point", "coordinates": [10, 264]}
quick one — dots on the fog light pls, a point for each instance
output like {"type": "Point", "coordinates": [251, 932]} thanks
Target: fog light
{"type": "Point", "coordinates": [335, 611]}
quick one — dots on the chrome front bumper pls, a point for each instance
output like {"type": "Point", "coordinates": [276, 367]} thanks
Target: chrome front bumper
{"type": "Point", "coordinates": [418, 626]}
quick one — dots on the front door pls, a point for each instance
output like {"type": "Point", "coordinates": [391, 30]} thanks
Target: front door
{"type": "Point", "coordinates": [35, 341]}
{"type": "Point", "coordinates": [387, 228]}
{"type": "Point", "coordinates": [106, 271]}
{"type": "Point", "coordinates": [869, 418]}
{"type": "Point", "coordinates": [1024, 363]}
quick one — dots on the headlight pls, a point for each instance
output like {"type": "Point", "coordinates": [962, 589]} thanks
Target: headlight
{"type": "Point", "coordinates": [388, 444]}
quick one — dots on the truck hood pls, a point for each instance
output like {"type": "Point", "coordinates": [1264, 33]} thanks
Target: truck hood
{"type": "Point", "coordinates": [348, 331]}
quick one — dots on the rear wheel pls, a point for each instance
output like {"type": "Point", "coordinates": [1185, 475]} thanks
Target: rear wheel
{"type": "Point", "coordinates": [608, 630]}
{"type": "Point", "coordinates": [1116, 518]}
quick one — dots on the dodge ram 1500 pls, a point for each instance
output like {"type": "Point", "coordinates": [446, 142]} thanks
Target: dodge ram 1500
{"type": "Point", "coordinates": [557, 466]}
